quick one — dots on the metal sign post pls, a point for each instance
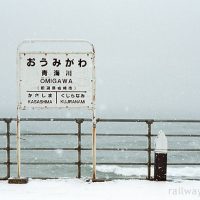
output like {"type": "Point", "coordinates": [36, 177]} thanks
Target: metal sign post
{"type": "Point", "coordinates": [94, 122]}
{"type": "Point", "coordinates": [94, 148]}
{"type": "Point", "coordinates": [55, 79]}
{"type": "Point", "coordinates": [18, 145]}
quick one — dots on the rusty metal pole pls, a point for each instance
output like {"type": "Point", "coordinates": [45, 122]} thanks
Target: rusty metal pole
{"type": "Point", "coordinates": [94, 121]}
{"type": "Point", "coordinates": [94, 148]}
{"type": "Point", "coordinates": [18, 179]}
{"type": "Point", "coordinates": [18, 144]}
{"type": "Point", "coordinates": [8, 121]}
{"type": "Point", "coordinates": [79, 122]}
{"type": "Point", "coordinates": [18, 118]}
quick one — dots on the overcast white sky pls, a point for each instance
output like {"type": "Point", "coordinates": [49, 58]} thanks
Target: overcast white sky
{"type": "Point", "coordinates": [147, 52]}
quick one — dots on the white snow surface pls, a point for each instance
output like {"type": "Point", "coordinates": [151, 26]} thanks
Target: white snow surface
{"type": "Point", "coordinates": [192, 172]}
{"type": "Point", "coordinates": [73, 189]}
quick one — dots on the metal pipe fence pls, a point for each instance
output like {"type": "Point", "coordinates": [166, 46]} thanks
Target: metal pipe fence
{"type": "Point", "coordinates": [79, 149]}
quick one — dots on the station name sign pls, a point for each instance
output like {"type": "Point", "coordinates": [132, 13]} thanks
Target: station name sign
{"type": "Point", "coordinates": [56, 80]}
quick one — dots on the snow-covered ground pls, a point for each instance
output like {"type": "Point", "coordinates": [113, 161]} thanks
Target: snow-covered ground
{"type": "Point", "coordinates": [190, 172]}
{"type": "Point", "coordinates": [72, 189]}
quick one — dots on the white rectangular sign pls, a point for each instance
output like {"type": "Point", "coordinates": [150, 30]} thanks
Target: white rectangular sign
{"type": "Point", "coordinates": [56, 80]}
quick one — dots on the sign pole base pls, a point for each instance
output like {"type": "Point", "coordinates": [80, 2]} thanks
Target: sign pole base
{"type": "Point", "coordinates": [15, 180]}
{"type": "Point", "coordinates": [98, 180]}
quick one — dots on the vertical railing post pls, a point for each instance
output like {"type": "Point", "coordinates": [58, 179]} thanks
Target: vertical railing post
{"type": "Point", "coordinates": [149, 123]}
{"type": "Point", "coordinates": [79, 122]}
{"type": "Point", "coordinates": [8, 122]}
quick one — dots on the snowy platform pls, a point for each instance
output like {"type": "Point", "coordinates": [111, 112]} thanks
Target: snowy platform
{"type": "Point", "coordinates": [72, 189]}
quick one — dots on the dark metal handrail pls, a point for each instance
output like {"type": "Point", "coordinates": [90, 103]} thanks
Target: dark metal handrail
{"type": "Point", "coordinates": [79, 148]}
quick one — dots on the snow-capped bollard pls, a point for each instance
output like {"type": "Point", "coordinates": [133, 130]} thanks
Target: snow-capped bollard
{"type": "Point", "coordinates": [160, 159]}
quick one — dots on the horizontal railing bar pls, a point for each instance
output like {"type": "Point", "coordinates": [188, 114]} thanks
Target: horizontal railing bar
{"type": "Point", "coordinates": [53, 119]}
{"type": "Point", "coordinates": [177, 120]}
{"type": "Point", "coordinates": [135, 149]}
{"type": "Point", "coordinates": [83, 134]}
{"type": "Point", "coordinates": [148, 120]}
{"type": "Point", "coordinates": [119, 135]}
{"type": "Point", "coordinates": [75, 149]}
{"type": "Point", "coordinates": [98, 149]}
{"type": "Point", "coordinates": [6, 119]}
{"type": "Point", "coordinates": [116, 149]}
{"type": "Point", "coordinates": [141, 135]}
{"type": "Point", "coordinates": [181, 135]}
{"type": "Point", "coordinates": [87, 163]}
{"type": "Point", "coordinates": [46, 163]}
{"type": "Point", "coordinates": [44, 134]}
{"type": "Point", "coordinates": [74, 119]}
{"type": "Point", "coordinates": [133, 177]}
{"type": "Point", "coordinates": [144, 163]}
{"type": "Point", "coordinates": [46, 119]}
{"type": "Point", "coordinates": [105, 120]}
{"type": "Point", "coordinates": [124, 120]}
{"type": "Point", "coordinates": [138, 177]}
{"type": "Point", "coordinates": [183, 163]}
{"type": "Point", "coordinates": [183, 149]}
{"type": "Point", "coordinates": [102, 134]}
{"type": "Point", "coordinates": [71, 163]}
{"type": "Point", "coordinates": [75, 134]}
{"type": "Point", "coordinates": [39, 149]}
{"type": "Point", "coordinates": [113, 163]}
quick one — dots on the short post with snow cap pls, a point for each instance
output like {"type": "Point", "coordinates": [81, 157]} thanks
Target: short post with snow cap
{"type": "Point", "coordinates": [160, 157]}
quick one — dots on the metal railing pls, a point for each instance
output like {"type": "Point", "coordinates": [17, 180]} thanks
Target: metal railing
{"type": "Point", "coordinates": [149, 149]}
